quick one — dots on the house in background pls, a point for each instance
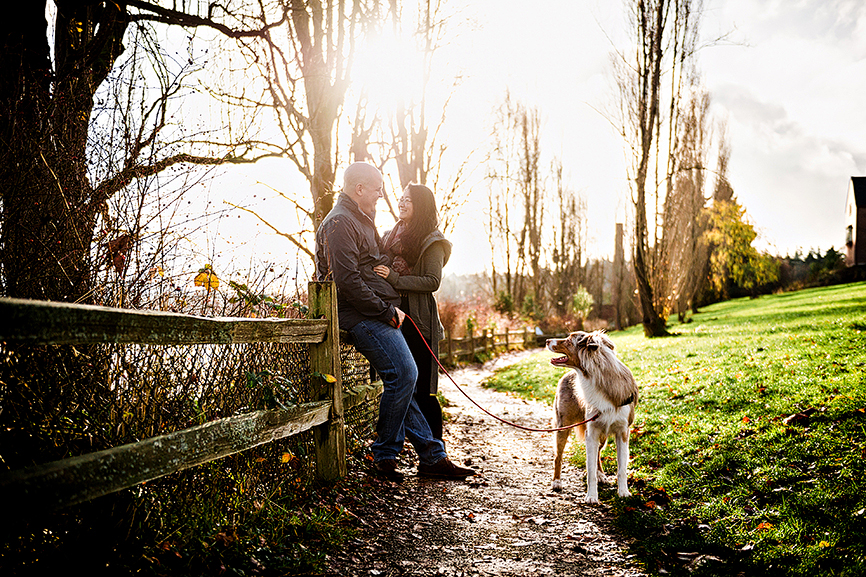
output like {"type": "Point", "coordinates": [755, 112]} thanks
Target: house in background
{"type": "Point", "coordinates": [855, 222]}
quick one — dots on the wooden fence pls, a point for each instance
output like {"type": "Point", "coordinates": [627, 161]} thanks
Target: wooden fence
{"type": "Point", "coordinates": [77, 479]}
{"type": "Point", "coordinates": [486, 345]}
{"type": "Point", "coordinates": [81, 478]}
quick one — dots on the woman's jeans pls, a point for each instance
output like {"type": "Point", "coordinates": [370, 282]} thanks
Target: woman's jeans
{"type": "Point", "coordinates": [399, 416]}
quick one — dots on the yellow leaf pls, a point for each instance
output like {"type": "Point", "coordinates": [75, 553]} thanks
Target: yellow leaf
{"type": "Point", "coordinates": [329, 378]}
{"type": "Point", "coordinates": [823, 544]}
{"type": "Point", "coordinates": [287, 457]}
{"type": "Point", "coordinates": [207, 278]}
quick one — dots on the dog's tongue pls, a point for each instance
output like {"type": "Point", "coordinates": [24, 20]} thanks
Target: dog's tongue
{"type": "Point", "coordinates": [558, 361]}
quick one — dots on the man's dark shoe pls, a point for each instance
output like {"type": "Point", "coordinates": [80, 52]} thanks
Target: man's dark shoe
{"type": "Point", "coordinates": [387, 469]}
{"type": "Point", "coordinates": [444, 469]}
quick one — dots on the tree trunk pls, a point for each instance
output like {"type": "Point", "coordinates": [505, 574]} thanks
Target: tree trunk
{"type": "Point", "coordinates": [650, 53]}
{"type": "Point", "coordinates": [49, 207]}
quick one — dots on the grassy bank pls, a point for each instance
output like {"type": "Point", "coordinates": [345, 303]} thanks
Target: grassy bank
{"type": "Point", "coordinates": [749, 449]}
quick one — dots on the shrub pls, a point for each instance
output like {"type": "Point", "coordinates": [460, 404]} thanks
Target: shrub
{"type": "Point", "coordinates": [504, 304]}
{"type": "Point", "coordinates": [457, 316]}
{"type": "Point", "coordinates": [581, 303]}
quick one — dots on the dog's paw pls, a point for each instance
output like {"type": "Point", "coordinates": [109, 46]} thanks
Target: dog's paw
{"type": "Point", "coordinates": [591, 498]}
{"type": "Point", "coordinates": [623, 492]}
{"type": "Point", "coordinates": [604, 479]}
{"type": "Point", "coordinates": [557, 485]}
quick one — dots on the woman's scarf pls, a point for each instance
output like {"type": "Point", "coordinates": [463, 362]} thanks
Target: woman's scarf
{"type": "Point", "coordinates": [395, 248]}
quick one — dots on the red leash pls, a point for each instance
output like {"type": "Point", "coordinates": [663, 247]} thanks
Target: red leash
{"type": "Point", "coordinates": [459, 388]}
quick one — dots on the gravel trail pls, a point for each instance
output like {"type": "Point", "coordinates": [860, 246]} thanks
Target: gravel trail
{"type": "Point", "coordinates": [505, 521]}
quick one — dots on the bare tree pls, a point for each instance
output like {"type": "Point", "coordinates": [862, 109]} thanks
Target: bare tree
{"type": "Point", "coordinates": [409, 134]}
{"type": "Point", "coordinates": [305, 67]}
{"type": "Point", "coordinates": [531, 188]}
{"type": "Point", "coordinates": [681, 249]}
{"type": "Point", "coordinates": [639, 82]}
{"type": "Point", "coordinates": [570, 244]}
{"type": "Point", "coordinates": [516, 202]}
{"type": "Point", "coordinates": [50, 74]}
{"type": "Point", "coordinates": [665, 42]}
{"type": "Point", "coordinates": [502, 176]}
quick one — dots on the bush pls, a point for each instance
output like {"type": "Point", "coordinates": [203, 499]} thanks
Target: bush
{"type": "Point", "coordinates": [504, 304]}
{"type": "Point", "coordinates": [581, 303]}
{"type": "Point", "coordinates": [457, 316]}
{"type": "Point", "coordinates": [532, 309]}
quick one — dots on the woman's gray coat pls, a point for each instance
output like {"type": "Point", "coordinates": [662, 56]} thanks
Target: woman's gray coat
{"type": "Point", "coordinates": [419, 288]}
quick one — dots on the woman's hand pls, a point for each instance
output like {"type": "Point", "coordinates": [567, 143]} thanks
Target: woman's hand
{"type": "Point", "coordinates": [382, 270]}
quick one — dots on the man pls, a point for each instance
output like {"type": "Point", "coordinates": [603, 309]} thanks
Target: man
{"type": "Point", "coordinates": [347, 249]}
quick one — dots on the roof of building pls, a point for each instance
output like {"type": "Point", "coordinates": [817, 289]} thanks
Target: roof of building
{"type": "Point", "coordinates": [859, 183]}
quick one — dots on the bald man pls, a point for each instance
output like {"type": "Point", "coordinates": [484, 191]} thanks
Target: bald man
{"type": "Point", "coordinates": [347, 248]}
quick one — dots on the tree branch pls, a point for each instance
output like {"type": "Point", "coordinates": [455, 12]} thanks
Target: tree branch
{"type": "Point", "coordinates": [293, 240]}
{"type": "Point", "coordinates": [178, 18]}
{"type": "Point", "coordinates": [128, 174]}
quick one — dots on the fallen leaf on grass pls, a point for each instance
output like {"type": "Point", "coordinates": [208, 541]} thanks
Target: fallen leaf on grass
{"type": "Point", "coordinates": [798, 418]}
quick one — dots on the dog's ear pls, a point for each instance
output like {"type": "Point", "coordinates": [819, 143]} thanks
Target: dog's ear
{"type": "Point", "coordinates": [606, 341]}
{"type": "Point", "coordinates": [579, 338]}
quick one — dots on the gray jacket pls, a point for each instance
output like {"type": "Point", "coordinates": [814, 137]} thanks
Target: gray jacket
{"type": "Point", "coordinates": [419, 288]}
{"type": "Point", "coordinates": [347, 248]}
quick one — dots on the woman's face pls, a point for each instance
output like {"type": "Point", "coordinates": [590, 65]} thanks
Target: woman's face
{"type": "Point", "coordinates": [404, 206]}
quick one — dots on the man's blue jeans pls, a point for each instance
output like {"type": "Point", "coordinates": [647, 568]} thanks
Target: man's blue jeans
{"type": "Point", "coordinates": [399, 416]}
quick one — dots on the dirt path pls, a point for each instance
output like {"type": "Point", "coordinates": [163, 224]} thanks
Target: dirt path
{"type": "Point", "coordinates": [504, 521]}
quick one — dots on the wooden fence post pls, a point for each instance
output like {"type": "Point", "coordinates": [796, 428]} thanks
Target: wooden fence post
{"type": "Point", "coordinates": [327, 383]}
{"type": "Point", "coordinates": [487, 334]}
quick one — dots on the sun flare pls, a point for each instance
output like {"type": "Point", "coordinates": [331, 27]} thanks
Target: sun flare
{"type": "Point", "coordinates": [390, 70]}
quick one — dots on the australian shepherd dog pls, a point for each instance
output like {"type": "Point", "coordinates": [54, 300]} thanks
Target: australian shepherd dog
{"type": "Point", "coordinates": [599, 388]}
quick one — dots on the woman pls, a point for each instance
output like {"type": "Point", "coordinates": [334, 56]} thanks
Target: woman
{"type": "Point", "coordinates": [418, 251]}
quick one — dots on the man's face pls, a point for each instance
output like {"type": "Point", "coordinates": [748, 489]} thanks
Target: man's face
{"type": "Point", "coordinates": [369, 192]}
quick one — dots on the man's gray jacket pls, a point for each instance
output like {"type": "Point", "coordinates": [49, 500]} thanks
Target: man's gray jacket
{"type": "Point", "coordinates": [347, 249]}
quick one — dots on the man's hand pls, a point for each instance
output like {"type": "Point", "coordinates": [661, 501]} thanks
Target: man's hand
{"type": "Point", "coordinates": [398, 319]}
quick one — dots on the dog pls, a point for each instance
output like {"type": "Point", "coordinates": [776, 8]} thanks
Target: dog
{"type": "Point", "coordinates": [599, 387]}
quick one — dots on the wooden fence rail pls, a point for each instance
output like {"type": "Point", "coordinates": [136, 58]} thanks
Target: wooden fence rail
{"type": "Point", "coordinates": [81, 478]}
{"type": "Point", "coordinates": [489, 343]}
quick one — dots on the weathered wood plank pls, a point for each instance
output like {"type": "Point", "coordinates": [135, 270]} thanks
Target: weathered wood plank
{"type": "Point", "coordinates": [79, 479]}
{"type": "Point", "coordinates": [44, 322]}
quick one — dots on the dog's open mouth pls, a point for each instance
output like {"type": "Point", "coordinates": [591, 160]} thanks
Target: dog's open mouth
{"type": "Point", "coordinates": [559, 361]}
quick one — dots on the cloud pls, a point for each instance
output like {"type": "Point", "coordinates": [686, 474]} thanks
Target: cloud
{"type": "Point", "coordinates": [792, 182]}
{"type": "Point", "coordinates": [836, 22]}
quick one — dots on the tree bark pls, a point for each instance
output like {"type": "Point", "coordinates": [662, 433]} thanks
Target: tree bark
{"type": "Point", "coordinates": [49, 206]}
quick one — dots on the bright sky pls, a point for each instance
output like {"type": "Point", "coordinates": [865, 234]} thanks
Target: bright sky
{"type": "Point", "coordinates": [791, 85]}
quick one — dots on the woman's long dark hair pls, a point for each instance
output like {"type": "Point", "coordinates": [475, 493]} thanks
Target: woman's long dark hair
{"type": "Point", "coordinates": [425, 219]}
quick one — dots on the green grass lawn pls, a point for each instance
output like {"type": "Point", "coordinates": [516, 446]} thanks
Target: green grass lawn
{"type": "Point", "coordinates": [749, 446]}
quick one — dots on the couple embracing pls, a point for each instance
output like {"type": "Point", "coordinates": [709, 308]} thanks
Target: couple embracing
{"type": "Point", "coordinates": [379, 281]}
